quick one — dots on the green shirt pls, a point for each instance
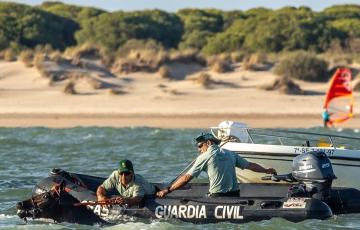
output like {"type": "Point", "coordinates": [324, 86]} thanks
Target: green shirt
{"type": "Point", "coordinates": [138, 187]}
{"type": "Point", "coordinates": [220, 166]}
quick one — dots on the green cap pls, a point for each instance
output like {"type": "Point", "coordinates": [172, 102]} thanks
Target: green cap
{"type": "Point", "coordinates": [125, 166]}
{"type": "Point", "coordinates": [207, 136]}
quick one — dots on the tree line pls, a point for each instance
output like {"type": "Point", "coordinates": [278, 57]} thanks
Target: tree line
{"type": "Point", "coordinates": [210, 31]}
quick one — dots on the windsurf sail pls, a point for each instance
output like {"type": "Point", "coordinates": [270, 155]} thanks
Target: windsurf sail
{"type": "Point", "coordinates": [339, 98]}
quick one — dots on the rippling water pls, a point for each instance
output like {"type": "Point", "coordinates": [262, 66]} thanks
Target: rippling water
{"type": "Point", "coordinates": [27, 155]}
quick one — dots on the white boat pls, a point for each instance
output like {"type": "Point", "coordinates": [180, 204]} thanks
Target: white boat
{"type": "Point", "coordinates": [276, 148]}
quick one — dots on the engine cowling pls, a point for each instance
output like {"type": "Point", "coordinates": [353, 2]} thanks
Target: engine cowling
{"type": "Point", "coordinates": [313, 167]}
{"type": "Point", "coordinates": [314, 172]}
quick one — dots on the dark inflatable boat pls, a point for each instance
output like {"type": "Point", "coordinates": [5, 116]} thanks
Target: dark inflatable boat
{"type": "Point", "coordinates": [70, 197]}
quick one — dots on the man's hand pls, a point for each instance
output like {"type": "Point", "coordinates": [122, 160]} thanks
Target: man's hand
{"type": "Point", "coordinates": [101, 198]}
{"type": "Point", "coordinates": [162, 193]}
{"type": "Point", "coordinates": [270, 171]}
{"type": "Point", "coordinates": [258, 168]}
{"type": "Point", "coordinates": [181, 181]}
{"type": "Point", "coordinates": [119, 200]}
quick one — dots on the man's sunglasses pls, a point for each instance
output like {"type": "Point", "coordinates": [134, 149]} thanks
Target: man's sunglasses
{"type": "Point", "coordinates": [125, 173]}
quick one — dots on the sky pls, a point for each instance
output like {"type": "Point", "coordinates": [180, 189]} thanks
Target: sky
{"type": "Point", "coordinates": [174, 5]}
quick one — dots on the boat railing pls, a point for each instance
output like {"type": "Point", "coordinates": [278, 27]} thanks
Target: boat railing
{"type": "Point", "coordinates": [283, 137]}
{"type": "Point", "coordinates": [281, 141]}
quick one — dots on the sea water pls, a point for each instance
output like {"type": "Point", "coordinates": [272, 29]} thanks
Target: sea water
{"type": "Point", "coordinates": [28, 154]}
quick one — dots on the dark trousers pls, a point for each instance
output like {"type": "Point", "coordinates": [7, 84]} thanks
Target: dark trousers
{"type": "Point", "coordinates": [231, 194]}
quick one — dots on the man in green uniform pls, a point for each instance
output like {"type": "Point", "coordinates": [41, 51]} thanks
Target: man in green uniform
{"type": "Point", "coordinates": [220, 166]}
{"type": "Point", "coordinates": [124, 182]}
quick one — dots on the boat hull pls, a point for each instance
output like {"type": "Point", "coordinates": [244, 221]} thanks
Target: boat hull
{"type": "Point", "coordinates": [346, 163]}
{"type": "Point", "coordinates": [58, 194]}
{"type": "Point", "coordinates": [191, 204]}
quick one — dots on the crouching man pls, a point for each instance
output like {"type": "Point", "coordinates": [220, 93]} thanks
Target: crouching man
{"type": "Point", "coordinates": [128, 187]}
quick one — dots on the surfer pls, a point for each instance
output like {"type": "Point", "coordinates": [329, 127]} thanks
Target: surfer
{"type": "Point", "coordinates": [219, 164]}
{"type": "Point", "coordinates": [326, 118]}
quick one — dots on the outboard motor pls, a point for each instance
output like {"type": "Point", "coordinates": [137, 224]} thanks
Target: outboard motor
{"type": "Point", "coordinates": [314, 172]}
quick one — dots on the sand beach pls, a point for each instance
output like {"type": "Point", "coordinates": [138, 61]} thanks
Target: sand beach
{"type": "Point", "coordinates": [28, 100]}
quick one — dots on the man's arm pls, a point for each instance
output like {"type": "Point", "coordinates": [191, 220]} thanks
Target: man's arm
{"type": "Point", "coordinates": [101, 193]}
{"type": "Point", "coordinates": [183, 180]}
{"type": "Point", "coordinates": [258, 168]}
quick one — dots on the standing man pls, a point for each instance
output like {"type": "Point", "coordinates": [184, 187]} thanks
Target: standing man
{"type": "Point", "coordinates": [326, 118]}
{"type": "Point", "coordinates": [219, 164]}
{"type": "Point", "coordinates": [129, 187]}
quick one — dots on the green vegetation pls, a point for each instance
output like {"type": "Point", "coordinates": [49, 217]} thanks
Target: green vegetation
{"type": "Point", "coordinates": [29, 26]}
{"type": "Point", "coordinates": [155, 36]}
{"type": "Point", "coordinates": [112, 30]}
{"type": "Point", "coordinates": [303, 66]}
{"type": "Point", "coordinates": [72, 12]}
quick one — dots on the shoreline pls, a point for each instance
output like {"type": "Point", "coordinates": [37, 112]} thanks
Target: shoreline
{"type": "Point", "coordinates": [200, 120]}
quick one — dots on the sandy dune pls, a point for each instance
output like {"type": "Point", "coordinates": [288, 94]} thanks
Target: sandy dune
{"type": "Point", "coordinates": [26, 99]}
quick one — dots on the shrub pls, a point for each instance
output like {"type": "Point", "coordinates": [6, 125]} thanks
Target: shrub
{"type": "Point", "coordinates": [38, 61]}
{"type": "Point", "coordinates": [69, 88]}
{"type": "Point", "coordinates": [85, 50]}
{"type": "Point", "coordinates": [174, 92]}
{"type": "Point", "coordinates": [95, 83]}
{"type": "Point", "coordinates": [57, 57]}
{"type": "Point", "coordinates": [27, 57]}
{"type": "Point", "coordinates": [116, 91]}
{"type": "Point", "coordinates": [203, 79]}
{"type": "Point", "coordinates": [45, 73]}
{"type": "Point", "coordinates": [224, 57]}
{"type": "Point", "coordinates": [164, 72]}
{"type": "Point", "coordinates": [149, 53]}
{"type": "Point", "coordinates": [9, 55]}
{"type": "Point", "coordinates": [161, 86]}
{"type": "Point", "coordinates": [284, 86]}
{"type": "Point", "coordinates": [237, 56]}
{"type": "Point", "coordinates": [134, 45]}
{"type": "Point", "coordinates": [221, 66]}
{"type": "Point", "coordinates": [251, 62]}
{"type": "Point", "coordinates": [47, 49]}
{"type": "Point", "coordinates": [149, 57]}
{"type": "Point", "coordinates": [187, 56]}
{"type": "Point", "coordinates": [303, 66]}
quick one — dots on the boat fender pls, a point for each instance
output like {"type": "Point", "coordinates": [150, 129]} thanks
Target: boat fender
{"type": "Point", "coordinates": [271, 204]}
